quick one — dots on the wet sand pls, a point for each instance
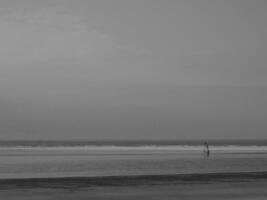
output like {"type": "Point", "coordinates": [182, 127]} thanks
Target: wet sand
{"type": "Point", "coordinates": [230, 186]}
{"type": "Point", "coordinates": [228, 191]}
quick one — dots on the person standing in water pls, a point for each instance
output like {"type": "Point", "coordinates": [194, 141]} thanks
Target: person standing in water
{"type": "Point", "coordinates": [206, 149]}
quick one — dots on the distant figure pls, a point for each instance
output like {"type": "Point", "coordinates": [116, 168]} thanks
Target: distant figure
{"type": "Point", "coordinates": [206, 149]}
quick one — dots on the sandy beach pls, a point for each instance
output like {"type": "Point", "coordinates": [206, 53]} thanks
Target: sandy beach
{"type": "Point", "coordinates": [210, 186]}
{"type": "Point", "coordinates": [240, 190]}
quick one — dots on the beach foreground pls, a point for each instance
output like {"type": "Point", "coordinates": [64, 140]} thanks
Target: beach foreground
{"type": "Point", "coordinates": [210, 186]}
{"type": "Point", "coordinates": [228, 191]}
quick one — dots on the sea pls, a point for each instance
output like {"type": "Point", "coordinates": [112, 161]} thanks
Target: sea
{"type": "Point", "coordinates": [45, 159]}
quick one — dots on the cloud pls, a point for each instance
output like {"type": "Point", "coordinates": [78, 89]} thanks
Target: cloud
{"type": "Point", "coordinates": [28, 37]}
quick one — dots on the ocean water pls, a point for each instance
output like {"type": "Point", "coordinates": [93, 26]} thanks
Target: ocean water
{"type": "Point", "coordinates": [27, 159]}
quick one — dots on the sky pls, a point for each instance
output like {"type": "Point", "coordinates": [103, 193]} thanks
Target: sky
{"type": "Point", "coordinates": [133, 69]}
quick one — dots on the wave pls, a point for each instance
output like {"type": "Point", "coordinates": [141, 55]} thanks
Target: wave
{"type": "Point", "coordinates": [134, 143]}
{"type": "Point", "coordinates": [142, 145]}
{"type": "Point", "coordinates": [140, 148]}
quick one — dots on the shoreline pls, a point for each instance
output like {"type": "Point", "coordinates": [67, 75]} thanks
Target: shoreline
{"type": "Point", "coordinates": [226, 186]}
{"type": "Point", "coordinates": [138, 180]}
{"type": "Point", "coordinates": [253, 188]}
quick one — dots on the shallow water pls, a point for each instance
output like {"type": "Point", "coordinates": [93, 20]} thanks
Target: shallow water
{"type": "Point", "coordinates": [21, 162]}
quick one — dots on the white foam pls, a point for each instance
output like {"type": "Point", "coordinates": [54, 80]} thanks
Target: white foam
{"type": "Point", "coordinates": [228, 148]}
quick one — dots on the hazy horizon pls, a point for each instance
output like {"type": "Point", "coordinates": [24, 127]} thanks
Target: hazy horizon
{"type": "Point", "coordinates": [133, 69]}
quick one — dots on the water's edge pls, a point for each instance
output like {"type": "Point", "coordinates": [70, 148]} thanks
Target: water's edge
{"type": "Point", "coordinates": [83, 182]}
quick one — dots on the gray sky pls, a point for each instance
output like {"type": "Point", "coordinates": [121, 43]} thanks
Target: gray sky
{"type": "Point", "coordinates": [133, 69]}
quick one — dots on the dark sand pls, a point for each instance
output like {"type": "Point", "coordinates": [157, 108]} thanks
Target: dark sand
{"type": "Point", "coordinates": [252, 185]}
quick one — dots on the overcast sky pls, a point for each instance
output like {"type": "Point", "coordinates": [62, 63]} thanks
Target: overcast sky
{"type": "Point", "coordinates": [133, 69]}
